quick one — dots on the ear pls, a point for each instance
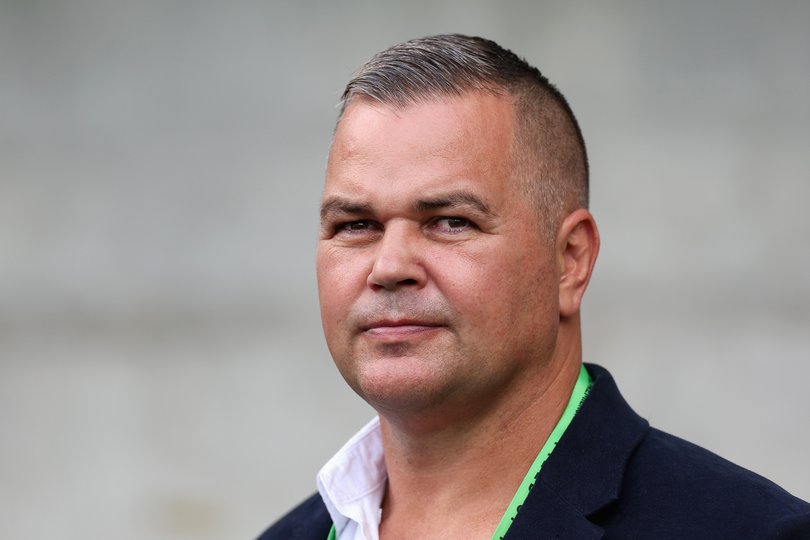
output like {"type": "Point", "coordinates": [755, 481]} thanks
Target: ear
{"type": "Point", "coordinates": [577, 248]}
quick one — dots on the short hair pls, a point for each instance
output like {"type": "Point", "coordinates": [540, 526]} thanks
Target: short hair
{"type": "Point", "coordinates": [548, 151]}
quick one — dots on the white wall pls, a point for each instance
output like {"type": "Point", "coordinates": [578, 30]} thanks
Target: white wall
{"type": "Point", "coordinates": [162, 371]}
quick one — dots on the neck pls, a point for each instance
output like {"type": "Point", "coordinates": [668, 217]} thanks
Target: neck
{"type": "Point", "coordinates": [463, 473]}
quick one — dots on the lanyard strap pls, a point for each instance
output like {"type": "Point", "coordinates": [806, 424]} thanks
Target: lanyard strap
{"type": "Point", "coordinates": [581, 389]}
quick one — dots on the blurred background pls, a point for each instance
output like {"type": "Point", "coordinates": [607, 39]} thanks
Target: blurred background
{"type": "Point", "coordinates": [162, 369]}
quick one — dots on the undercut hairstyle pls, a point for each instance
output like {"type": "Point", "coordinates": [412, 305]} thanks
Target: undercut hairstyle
{"type": "Point", "coordinates": [549, 161]}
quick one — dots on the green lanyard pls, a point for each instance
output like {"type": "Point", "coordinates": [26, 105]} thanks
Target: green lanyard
{"type": "Point", "coordinates": [581, 389]}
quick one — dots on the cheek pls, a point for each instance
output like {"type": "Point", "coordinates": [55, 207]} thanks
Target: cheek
{"type": "Point", "coordinates": [504, 291]}
{"type": "Point", "coordinates": [340, 279]}
{"type": "Point", "coordinates": [472, 283]}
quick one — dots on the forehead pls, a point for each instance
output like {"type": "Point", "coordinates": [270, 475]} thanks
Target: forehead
{"type": "Point", "coordinates": [463, 139]}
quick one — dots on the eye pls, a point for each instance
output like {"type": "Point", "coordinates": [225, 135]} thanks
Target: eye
{"type": "Point", "coordinates": [357, 226]}
{"type": "Point", "coordinates": [452, 225]}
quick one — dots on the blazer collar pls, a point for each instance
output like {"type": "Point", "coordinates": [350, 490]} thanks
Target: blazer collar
{"type": "Point", "coordinates": [310, 521]}
{"type": "Point", "coordinates": [584, 473]}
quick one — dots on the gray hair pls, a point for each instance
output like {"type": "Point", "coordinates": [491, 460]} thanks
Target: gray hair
{"type": "Point", "coordinates": [549, 157]}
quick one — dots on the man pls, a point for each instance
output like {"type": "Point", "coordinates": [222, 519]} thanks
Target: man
{"type": "Point", "coordinates": [454, 251]}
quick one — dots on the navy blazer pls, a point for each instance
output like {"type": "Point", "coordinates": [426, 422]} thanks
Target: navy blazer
{"type": "Point", "coordinates": [612, 476]}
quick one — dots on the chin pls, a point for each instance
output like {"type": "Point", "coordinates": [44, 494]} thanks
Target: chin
{"type": "Point", "coordinates": [400, 387]}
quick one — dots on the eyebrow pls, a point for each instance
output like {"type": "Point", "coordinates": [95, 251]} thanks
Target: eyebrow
{"type": "Point", "coordinates": [344, 206]}
{"type": "Point", "coordinates": [454, 199]}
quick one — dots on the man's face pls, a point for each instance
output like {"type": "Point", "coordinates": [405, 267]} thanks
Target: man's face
{"type": "Point", "coordinates": [436, 287]}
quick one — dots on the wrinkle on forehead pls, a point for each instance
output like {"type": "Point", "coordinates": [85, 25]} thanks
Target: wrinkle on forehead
{"type": "Point", "coordinates": [386, 153]}
{"type": "Point", "coordinates": [425, 125]}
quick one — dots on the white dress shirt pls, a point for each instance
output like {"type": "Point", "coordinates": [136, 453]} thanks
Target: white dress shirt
{"type": "Point", "coordinates": [352, 485]}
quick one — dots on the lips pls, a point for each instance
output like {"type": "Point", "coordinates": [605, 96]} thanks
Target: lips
{"type": "Point", "coordinates": [395, 323]}
{"type": "Point", "coordinates": [398, 328]}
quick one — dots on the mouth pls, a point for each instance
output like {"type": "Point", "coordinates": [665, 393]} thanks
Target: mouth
{"type": "Point", "coordinates": [397, 329]}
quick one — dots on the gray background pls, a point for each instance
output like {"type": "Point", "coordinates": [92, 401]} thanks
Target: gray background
{"type": "Point", "coordinates": [162, 370]}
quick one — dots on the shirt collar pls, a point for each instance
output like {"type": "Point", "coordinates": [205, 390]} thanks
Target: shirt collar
{"type": "Point", "coordinates": [352, 484]}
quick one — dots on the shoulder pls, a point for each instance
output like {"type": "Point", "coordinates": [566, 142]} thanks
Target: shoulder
{"type": "Point", "coordinates": [674, 488]}
{"type": "Point", "coordinates": [308, 520]}
{"type": "Point", "coordinates": [635, 481]}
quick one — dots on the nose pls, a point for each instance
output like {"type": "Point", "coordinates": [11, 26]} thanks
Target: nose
{"type": "Point", "coordinates": [397, 262]}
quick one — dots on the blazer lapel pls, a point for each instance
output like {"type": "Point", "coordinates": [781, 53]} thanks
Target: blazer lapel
{"type": "Point", "coordinates": [584, 473]}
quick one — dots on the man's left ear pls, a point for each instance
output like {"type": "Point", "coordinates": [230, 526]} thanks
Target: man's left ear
{"type": "Point", "coordinates": [577, 248]}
